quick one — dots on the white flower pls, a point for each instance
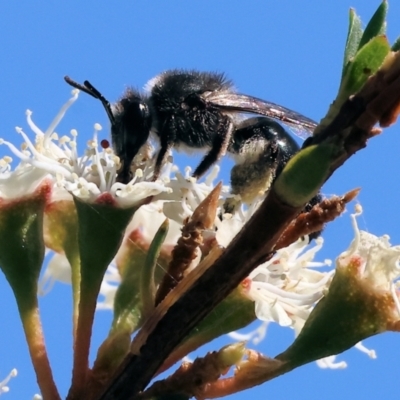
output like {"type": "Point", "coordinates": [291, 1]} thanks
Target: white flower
{"type": "Point", "coordinates": [378, 261]}
{"type": "Point", "coordinates": [285, 288]}
{"type": "Point", "coordinates": [86, 177]}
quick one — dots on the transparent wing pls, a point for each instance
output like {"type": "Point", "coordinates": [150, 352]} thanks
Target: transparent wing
{"type": "Point", "coordinates": [298, 123]}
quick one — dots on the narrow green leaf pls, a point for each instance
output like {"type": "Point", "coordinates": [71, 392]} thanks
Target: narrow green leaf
{"type": "Point", "coordinates": [396, 45]}
{"type": "Point", "coordinates": [147, 289]}
{"type": "Point", "coordinates": [127, 301]}
{"type": "Point", "coordinates": [233, 313]}
{"type": "Point", "coordinates": [136, 293]}
{"type": "Point", "coordinates": [376, 26]}
{"type": "Point", "coordinates": [354, 35]}
{"type": "Point", "coordinates": [366, 62]}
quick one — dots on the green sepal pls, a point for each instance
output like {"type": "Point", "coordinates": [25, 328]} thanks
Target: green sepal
{"type": "Point", "coordinates": [22, 244]}
{"type": "Point", "coordinates": [349, 313]}
{"type": "Point", "coordinates": [304, 174]}
{"type": "Point", "coordinates": [376, 26]}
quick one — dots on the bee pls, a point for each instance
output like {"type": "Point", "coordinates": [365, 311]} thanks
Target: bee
{"type": "Point", "coordinates": [260, 148]}
{"type": "Point", "coordinates": [192, 110]}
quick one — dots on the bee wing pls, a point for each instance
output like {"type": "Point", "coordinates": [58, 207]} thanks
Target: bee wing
{"type": "Point", "coordinates": [302, 125]}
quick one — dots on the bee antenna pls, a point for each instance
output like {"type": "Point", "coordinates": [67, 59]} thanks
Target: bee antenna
{"type": "Point", "coordinates": [88, 88]}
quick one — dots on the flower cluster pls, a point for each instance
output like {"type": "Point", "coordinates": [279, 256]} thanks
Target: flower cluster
{"type": "Point", "coordinates": [101, 233]}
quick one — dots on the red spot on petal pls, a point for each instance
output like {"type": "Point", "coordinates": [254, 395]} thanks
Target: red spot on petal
{"type": "Point", "coordinates": [106, 199]}
{"type": "Point", "coordinates": [246, 283]}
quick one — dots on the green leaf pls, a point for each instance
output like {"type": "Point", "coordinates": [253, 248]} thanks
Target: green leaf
{"type": "Point", "coordinates": [396, 45]}
{"type": "Point", "coordinates": [304, 174]}
{"type": "Point", "coordinates": [366, 62]}
{"type": "Point", "coordinates": [136, 293]}
{"type": "Point", "coordinates": [376, 26]}
{"type": "Point", "coordinates": [353, 38]}
{"type": "Point", "coordinates": [233, 313]}
{"type": "Point", "coordinates": [127, 302]}
{"type": "Point", "coordinates": [147, 289]}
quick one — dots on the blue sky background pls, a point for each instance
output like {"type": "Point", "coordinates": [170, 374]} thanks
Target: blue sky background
{"type": "Point", "coordinates": [288, 52]}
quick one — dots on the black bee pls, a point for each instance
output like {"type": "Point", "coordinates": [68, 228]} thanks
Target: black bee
{"type": "Point", "coordinates": [201, 110]}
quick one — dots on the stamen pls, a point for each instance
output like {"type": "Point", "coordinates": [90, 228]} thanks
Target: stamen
{"type": "Point", "coordinates": [61, 113]}
{"type": "Point", "coordinates": [3, 383]}
{"type": "Point", "coordinates": [328, 362]}
{"type": "Point", "coordinates": [368, 352]}
{"type": "Point", "coordinates": [32, 125]}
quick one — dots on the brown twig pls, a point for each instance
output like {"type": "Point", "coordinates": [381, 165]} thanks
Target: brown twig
{"type": "Point", "coordinates": [314, 220]}
{"type": "Point", "coordinates": [191, 378]}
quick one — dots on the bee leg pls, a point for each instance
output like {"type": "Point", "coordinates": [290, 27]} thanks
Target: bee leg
{"type": "Point", "coordinates": [167, 141]}
{"type": "Point", "coordinates": [161, 158]}
{"type": "Point", "coordinates": [252, 178]}
{"type": "Point", "coordinates": [218, 149]}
